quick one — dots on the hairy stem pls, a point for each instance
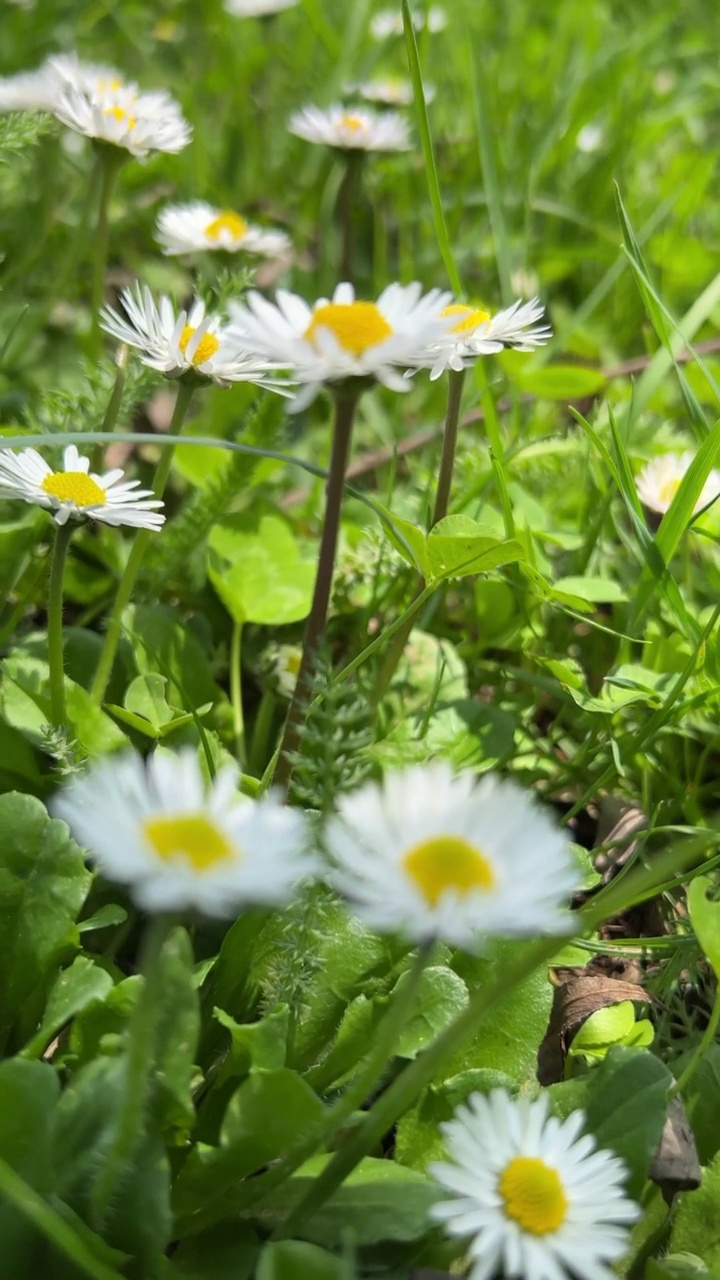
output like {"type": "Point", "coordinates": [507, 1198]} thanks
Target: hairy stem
{"type": "Point", "coordinates": [63, 534]}
{"type": "Point", "coordinates": [109, 169]}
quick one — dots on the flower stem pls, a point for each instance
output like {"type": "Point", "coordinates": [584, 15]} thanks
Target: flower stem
{"type": "Point", "coordinates": [63, 534]}
{"type": "Point", "coordinates": [342, 436]}
{"type": "Point", "coordinates": [395, 652]}
{"type": "Point", "coordinates": [109, 169]}
{"type": "Point", "coordinates": [236, 690]}
{"type": "Point", "coordinates": [137, 552]}
{"type": "Point", "coordinates": [358, 1090]}
{"type": "Point", "coordinates": [139, 1063]}
{"type": "Point", "coordinates": [113, 407]}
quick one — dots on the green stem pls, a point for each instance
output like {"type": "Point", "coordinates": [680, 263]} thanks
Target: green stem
{"type": "Point", "coordinates": [137, 553]}
{"type": "Point", "coordinates": [261, 732]}
{"type": "Point", "coordinates": [63, 534]}
{"type": "Point", "coordinates": [35, 1209]}
{"type": "Point", "coordinates": [707, 1039]}
{"type": "Point", "coordinates": [384, 1043]}
{"type": "Point", "coordinates": [109, 168]}
{"type": "Point", "coordinates": [130, 1124]}
{"type": "Point", "coordinates": [395, 652]}
{"type": "Point", "coordinates": [342, 436]}
{"type": "Point", "coordinates": [236, 690]}
{"type": "Point", "coordinates": [113, 408]}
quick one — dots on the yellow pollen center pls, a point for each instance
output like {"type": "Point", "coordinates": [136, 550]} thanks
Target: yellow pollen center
{"type": "Point", "coordinates": [227, 221]}
{"type": "Point", "coordinates": [447, 863]}
{"type": "Point", "coordinates": [74, 486]}
{"type": "Point", "coordinates": [472, 317]}
{"type": "Point", "coordinates": [356, 325]}
{"type": "Point", "coordinates": [192, 836]}
{"type": "Point", "coordinates": [668, 489]}
{"type": "Point", "coordinates": [533, 1195]}
{"type": "Point", "coordinates": [349, 121]}
{"type": "Point", "coordinates": [206, 348]}
{"type": "Point", "coordinates": [121, 115]}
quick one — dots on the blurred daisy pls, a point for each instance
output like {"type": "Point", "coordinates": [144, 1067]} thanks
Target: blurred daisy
{"type": "Point", "coordinates": [352, 128]}
{"type": "Point", "coordinates": [257, 8]}
{"type": "Point", "coordinates": [343, 337]}
{"type": "Point", "coordinates": [187, 341]}
{"type": "Point", "coordinates": [388, 22]}
{"type": "Point", "coordinates": [476, 332]}
{"type": "Point", "coordinates": [590, 138]}
{"type": "Point", "coordinates": [660, 479]}
{"type": "Point", "coordinates": [123, 117]}
{"type": "Point", "coordinates": [392, 91]}
{"type": "Point", "coordinates": [180, 843]}
{"type": "Point", "coordinates": [433, 854]}
{"type": "Point", "coordinates": [190, 228]}
{"type": "Point", "coordinates": [76, 492]}
{"type": "Point", "coordinates": [40, 90]}
{"type": "Point", "coordinates": [531, 1192]}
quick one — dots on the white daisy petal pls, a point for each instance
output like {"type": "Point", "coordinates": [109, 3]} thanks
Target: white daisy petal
{"type": "Point", "coordinates": [475, 332]}
{"type": "Point", "coordinates": [73, 492]}
{"type": "Point", "coordinates": [352, 128]}
{"type": "Point", "coordinates": [433, 854]}
{"type": "Point", "coordinates": [181, 843]}
{"type": "Point", "coordinates": [660, 479]}
{"type": "Point", "coordinates": [257, 8]}
{"type": "Point", "coordinates": [104, 107]}
{"type": "Point", "coordinates": [520, 1197]}
{"type": "Point", "coordinates": [388, 22]}
{"type": "Point", "coordinates": [196, 227]}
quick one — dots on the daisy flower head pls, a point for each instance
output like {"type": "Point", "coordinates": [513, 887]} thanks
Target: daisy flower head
{"type": "Point", "coordinates": [352, 128]}
{"type": "Point", "coordinates": [531, 1192]}
{"type": "Point", "coordinates": [121, 116]}
{"type": "Point", "coordinates": [388, 22]}
{"type": "Point", "coordinates": [257, 8]}
{"type": "Point", "coordinates": [40, 90]}
{"type": "Point", "coordinates": [75, 492]}
{"type": "Point", "coordinates": [660, 479]}
{"type": "Point", "coordinates": [343, 337]}
{"type": "Point", "coordinates": [186, 341]}
{"type": "Point", "coordinates": [436, 855]}
{"type": "Point", "coordinates": [391, 91]}
{"type": "Point", "coordinates": [181, 843]}
{"type": "Point", "coordinates": [475, 332]}
{"type": "Point", "coordinates": [190, 228]}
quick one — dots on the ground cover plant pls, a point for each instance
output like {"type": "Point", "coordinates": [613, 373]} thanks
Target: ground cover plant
{"type": "Point", "coordinates": [359, 688]}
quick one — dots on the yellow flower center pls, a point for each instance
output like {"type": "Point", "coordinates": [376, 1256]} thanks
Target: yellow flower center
{"type": "Point", "coordinates": [109, 86]}
{"type": "Point", "coordinates": [472, 317]}
{"type": "Point", "coordinates": [228, 221]}
{"type": "Point", "coordinates": [121, 115]}
{"type": "Point", "coordinates": [349, 121]}
{"type": "Point", "coordinates": [668, 489]}
{"type": "Point", "coordinates": [206, 348]}
{"type": "Point", "coordinates": [191, 836]}
{"type": "Point", "coordinates": [74, 486]}
{"type": "Point", "coordinates": [533, 1195]}
{"type": "Point", "coordinates": [445, 863]}
{"type": "Point", "coordinates": [356, 325]}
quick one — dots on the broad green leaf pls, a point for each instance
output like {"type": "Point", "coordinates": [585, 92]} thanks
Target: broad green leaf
{"type": "Point", "coordinates": [176, 1034]}
{"type": "Point", "coordinates": [440, 997]}
{"type": "Point", "coordinates": [696, 1229]}
{"type": "Point", "coordinates": [626, 1105]}
{"type": "Point", "coordinates": [43, 884]}
{"type": "Point", "coordinates": [260, 1044]}
{"type": "Point", "coordinates": [614, 1024]}
{"type": "Point", "coordinates": [18, 763]}
{"type": "Point", "coordinates": [25, 704]}
{"type": "Point", "coordinates": [98, 1028]}
{"type": "Point", "coordinates": [357, 1028]}
{"type": "Point", "coordinates": [257, 570]}
{"type": "Point", "coordinates": [418, 1139]}
{"type": "Point", "coordinates": [164, 643]}
{"type": "Point", "coordinates": [77, 987]}
{"type": "Point", "coordinates": [297, 1260]}
{"type": "Point", "coordinates": [29, 1093]}
{"type": "Point", "coordinates": [594, 590]}
{"type": "Point", "coordinates": [561, 382]}
{"type": "Point", "coordinates": [455, 547]}
{"type": "Point", "coordinates": [465, 732]}
{"type": "Point", "coordinates": [678, 1266]}
{"type": "Point", "coordinates": [226, 1252]}
{"type": "Point", "coordinates": [17, 539]}
{"type": "Point", "coordinates": [705, 917]}
{"type": "Point", "coordinates": [701, 1096]}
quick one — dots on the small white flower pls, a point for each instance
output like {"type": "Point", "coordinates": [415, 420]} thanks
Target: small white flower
{"type": "Point", "coordinates": [180, 843]}
{"type": "Point", "coordinates": [76, 492]}
{"type": "Point", "coordinates": [433, 854]}
{"type": "Point", "coordinates": [257, 8]}
{"type": "Point", "coordinates": [590, 138]}
{"type": "Point", "coordinates": [660, 479]}
{"type": "Point", "coordinates": [531, 1192]}
{"type": "Point", "coordinates": [186, 341]}
{"type": "Point", "coordinates": [388, 22]}
{"type": "Point", "coordinates": [122, 116]}
{"type": "Point", "coordinates": [27, 91]}
{"type": "Point", "coordinates": [189, 228]}
{"type": "Point", "coordinates": [352, 128]}
{"type": "Point", "coordinates": [40, 90]}
{"type": "Point", "coordinates": [342, 337]}
{"type": "Point", "coordinates": [478, 333]}
{"type": "Point", "coordinates": [392, 91]}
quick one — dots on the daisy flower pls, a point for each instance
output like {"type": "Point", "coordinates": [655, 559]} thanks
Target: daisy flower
{"type": "Point", "coordinates": [40, 90]}
{"type": "Point", "coordinates": [531, 1192]}
{"type": "Point", "coordinates": [76, 492]}
{"type": "Point", "coordinates": [342, 337]}
{"type": "Point", "coordinates": [188, 341]}
{"type": "Point", "coordinates": [189, 228]}
{"type": "Point", "coordinates": [388, 22]}
{"type": "Point", "coordinates": [476, 332]}
{"type": "Point", "coordinates": [352, 128]}
{"type": "Point", "coordinates": [120, 115]}
{"type": "Point", "coordinates": [392, 91]}
{"type": "Point", "coordinates": [433, 854]}
{"type": "Point", "coordinates": [660, 479]}
{"type": "Point", "coordinates": [257, 8]}
{"type": "Point", "coordinates": [180, 843]}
